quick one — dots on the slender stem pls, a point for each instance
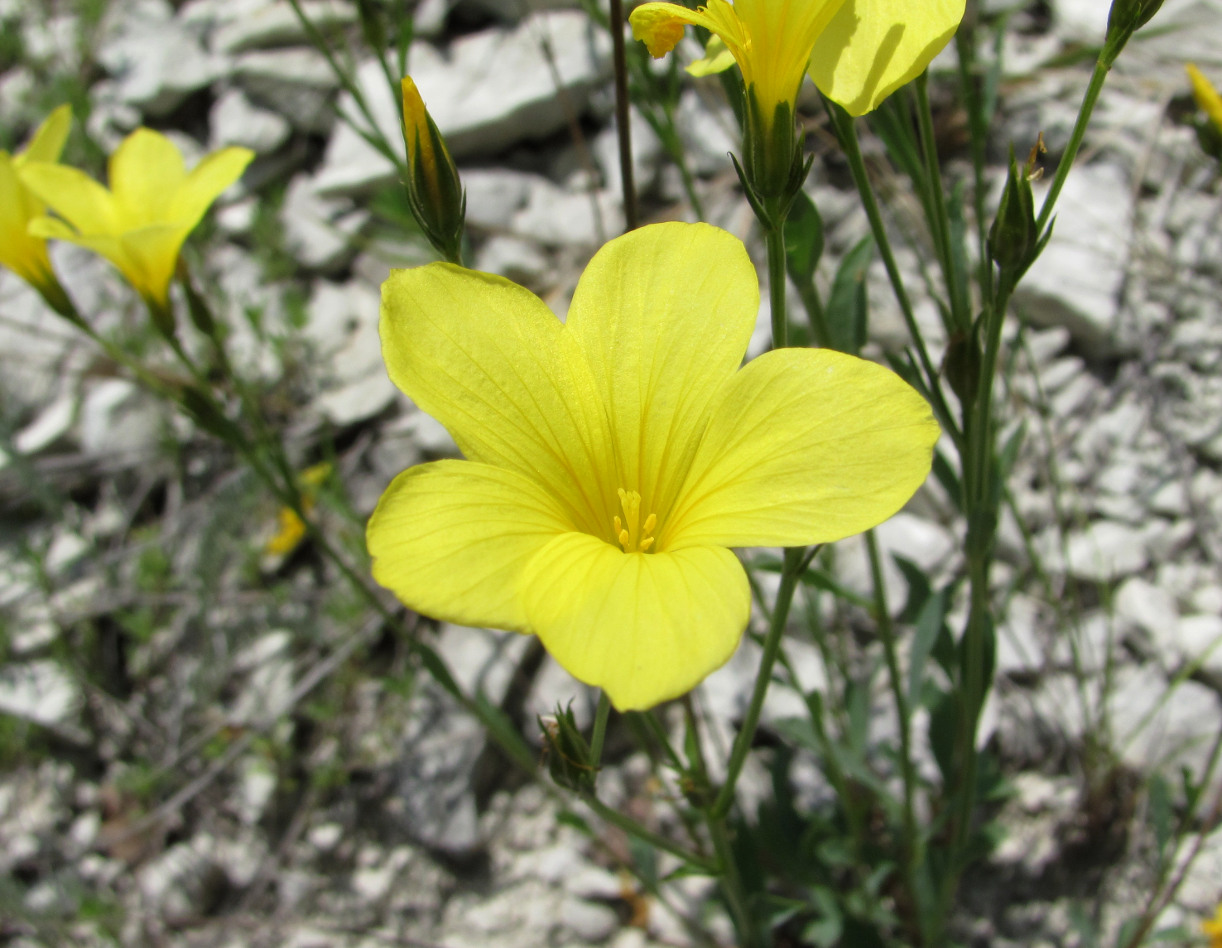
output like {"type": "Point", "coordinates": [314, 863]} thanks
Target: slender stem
{"type": "Point", "coordinates": [775, 238]}
{"type": "Point", "coordinates": [623, 128]}
{"type": "Point", "coordinates": [1098, 77]}
{"type": "Point", "coordinates": [886, 632]}
{"type": "Point", "coordinates": [935, 204]}
{"type": "Point", "coordinates": [846, 131]}
{"type": "Point", "coordinates": [633, 828]}
{"type": "Point", "coordinates": [731, 881]}
{"type": "Point", "coordinates": [978, 127]}
{"type": "Point", "coordinates": [772, 643]}
{"type": "Point", "coordinates": [600, 729]}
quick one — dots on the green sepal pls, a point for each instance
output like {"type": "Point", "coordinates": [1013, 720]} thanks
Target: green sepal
{"type": "Point", "coordinates": [1013, 239]}
{"type": "Point", "coordinates": [1124, 19]}
{"type": "Point", "coordinates": [568, 752]}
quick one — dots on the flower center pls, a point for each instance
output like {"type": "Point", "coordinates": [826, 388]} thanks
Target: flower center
{"type": "Point", "coordinates": [634, 536]}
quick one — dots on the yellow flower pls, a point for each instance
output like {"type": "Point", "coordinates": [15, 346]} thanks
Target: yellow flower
{"type": "Point", "coordinates": [858, 51]}
{"type": "Point", "coordinates": [614, 458]}
{"type": "Point", "coordinates": [24, 254]}
{"type": "Point", "coordinates": [291, 529]}
{"type": "Point", "coordinates": [140, 223]}
{"type": "Point", "coordinates": [1213, 929]}
{"type": "Point", "coordinates": [1208, 99]}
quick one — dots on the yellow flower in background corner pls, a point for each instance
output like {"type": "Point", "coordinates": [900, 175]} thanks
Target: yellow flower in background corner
{"type": "Point", "coordinates": [21, 252]}
{"type": "Point", "coordinates": [857, 51]}
{"type": "Point", "coordinates": [291, 529]}
{"type": "Point", "coordinates": [613, 459]}
{"type": "Point", "coordinates": [1207, 97]}
{"type": "Point", "coordinates": [140, 222]}
{"type": "Point", "coordinates": [1212, 929]}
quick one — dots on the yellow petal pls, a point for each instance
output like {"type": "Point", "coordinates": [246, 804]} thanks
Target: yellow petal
{"type": "Point", "coordinates": [20, 251]}
{"type": "Point", "coordinates": [206, 182]}
{"type": "Point", "coordinates": [717, 58]}
{"type": "Point", "coordinates": [872, 47]}
{"type": "Point", "coordinates": [452, 538]}
{"type": "Point", "coordinates": [1206, 95]}
{"type": "Point", "coordinates": [660, 25]}
{"type": "Point", "coordinates": [152, 255]}
{"type": "Point", "coordinates": [663, 315]}
{"type": "Point", "coordinates": [75, 196]}
{"type": "Point", "coordinates": [807, 446]}
{"type": "Point", "coordinates": [145, 172]}
{"type": "Point", "coordinates": [48, 140]}
{"type": "Point", "coordinates": [490, 361]}
{"type": "Point", "coordinates": [644, 627]}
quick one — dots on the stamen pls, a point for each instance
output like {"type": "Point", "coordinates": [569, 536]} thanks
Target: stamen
{"type": "Point", "coordinates": [632, 535]}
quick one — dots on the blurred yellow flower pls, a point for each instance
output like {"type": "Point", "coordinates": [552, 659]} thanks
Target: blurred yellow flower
{"type": "Point", "coordinates": [140, 223]}
{"type": "Point", "coordinates": [1208, 99]}
{"type": "Point", "coordinates": [613, 459]}
{"type": "Point", "coordinates": [1213, 929]}
{"type": "Point", "coordinates": [21, 252]}
{"type": "Point", "coordinates": [857, 51]}
{"type": "Point", "coordinates": [291, 529]}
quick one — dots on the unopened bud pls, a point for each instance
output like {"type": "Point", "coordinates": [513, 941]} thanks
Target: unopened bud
{"type": "Point", "coordinates": [1013, 238]}
{"type": "Point", "coordinates": [568, 752]}
{"type": "Point", "coordinates": [1124, 19]}
{"type": "Point", "coordinates": [434, 190]}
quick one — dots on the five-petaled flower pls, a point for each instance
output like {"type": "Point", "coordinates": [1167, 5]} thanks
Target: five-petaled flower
{"type": "Point", "coordinates": [20, 251]}
{"type": "Point", "coordinates": [613, 460]}
{"type": "Point", "coordinates": [857, 51]}
{"type": "Point", "coordinates": [140, 223]}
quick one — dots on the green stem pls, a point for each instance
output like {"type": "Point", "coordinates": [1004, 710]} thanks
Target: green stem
{"type": "Point", "coordinates": [774, 236]}
{"type": "Point", "coordinates": [886, 632]}
{"type": "Point", "coordinates": [935, 208]}
{"type": "Point", "coordinates": [623, 128]}
{"type": "Point", "coordinates": [633, 828]}
{"type": "Point", "coordinates": [772, 643]}
{"type": "Point", "coordinates": [1098, 77]}
{"type": "Point", "coordinates": [846, 131]}
{"type": "Point", "coordinates": [600, 729]}
{"type": "Point", "coordinates": [731, 881]}
{"type": "Point", "coordinates": [978, 127]}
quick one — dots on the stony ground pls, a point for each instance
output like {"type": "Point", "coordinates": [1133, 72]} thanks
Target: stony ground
{"type": "Point", "coordinates": [207, 745]}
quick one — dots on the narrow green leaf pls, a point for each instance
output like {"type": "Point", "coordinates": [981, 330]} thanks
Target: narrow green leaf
{"type": "Point", "coordinates": [846, 307]}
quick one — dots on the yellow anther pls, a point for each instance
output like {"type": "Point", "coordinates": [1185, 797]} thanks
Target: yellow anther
{"type": "Point", "coordinates": [632, 536]}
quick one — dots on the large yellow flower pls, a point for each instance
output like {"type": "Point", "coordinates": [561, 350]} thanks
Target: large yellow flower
{"type": "Point", "coordinates": [24, 254]}
{"type": "Point", "coordinates": [858, 51]}
{"type": "Point", "coordinates": [140, 223]}
{"type": "Point", "coordinates": [613, 459]}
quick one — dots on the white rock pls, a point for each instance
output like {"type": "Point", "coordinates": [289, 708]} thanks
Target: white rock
{"type": "Point", "coordinates": [494, 89]}
{"type": "Point", "coordinates": [235, 120]}
{"type": "Point", "coordinates": [1148, 607]}
{"type": "Point", "coordinates": [593, 922]}
{"type": "Point", "coordinates": [343, 330]}
{"type": "Point", "coordinates": [35, 346]}
{"type": "Point", "coordinates": [1102, 552]}
{"type": "Point", "coordinates": [119, 419]}
{"type": "Point", "coordinates": [557, 218]}
{"type": "Point", "coordinates": [1077, 280]}
{"type": "Point", "coordinates": [295, 83]}
{"type": "Point", "coordinates": [51, 424]}
{"type": "Point", "coordinates": [277, 24]}
{"type": "Point", "coordinates": [326, 836]}
{"type": "Point", "coordinates": [39, 691]}
{"type": "Point", "coordinates": [1159, 726]}
{"type": "Point", "coordinates": [519, 260]}
{"type": "Point", "coordinates": [495, 195]}
{"type": "Point", "coordinates": [1199, 640]}
{"type": "Point", "coordinates": [256, 784]}
{"type": "Point", "coordinates": [156, 62]}
{"type": "Point", "coordinates": [319, 232]}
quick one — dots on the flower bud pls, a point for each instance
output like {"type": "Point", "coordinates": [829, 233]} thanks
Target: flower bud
{"type": "Point", "coordinates": [1013, 239]}
{"type": "Point", "coordinates": [434, 190]}
{"type": "Point", "coordinates": [1124, 19]}
{"type": "Point", "coordinates": [568, 753]}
